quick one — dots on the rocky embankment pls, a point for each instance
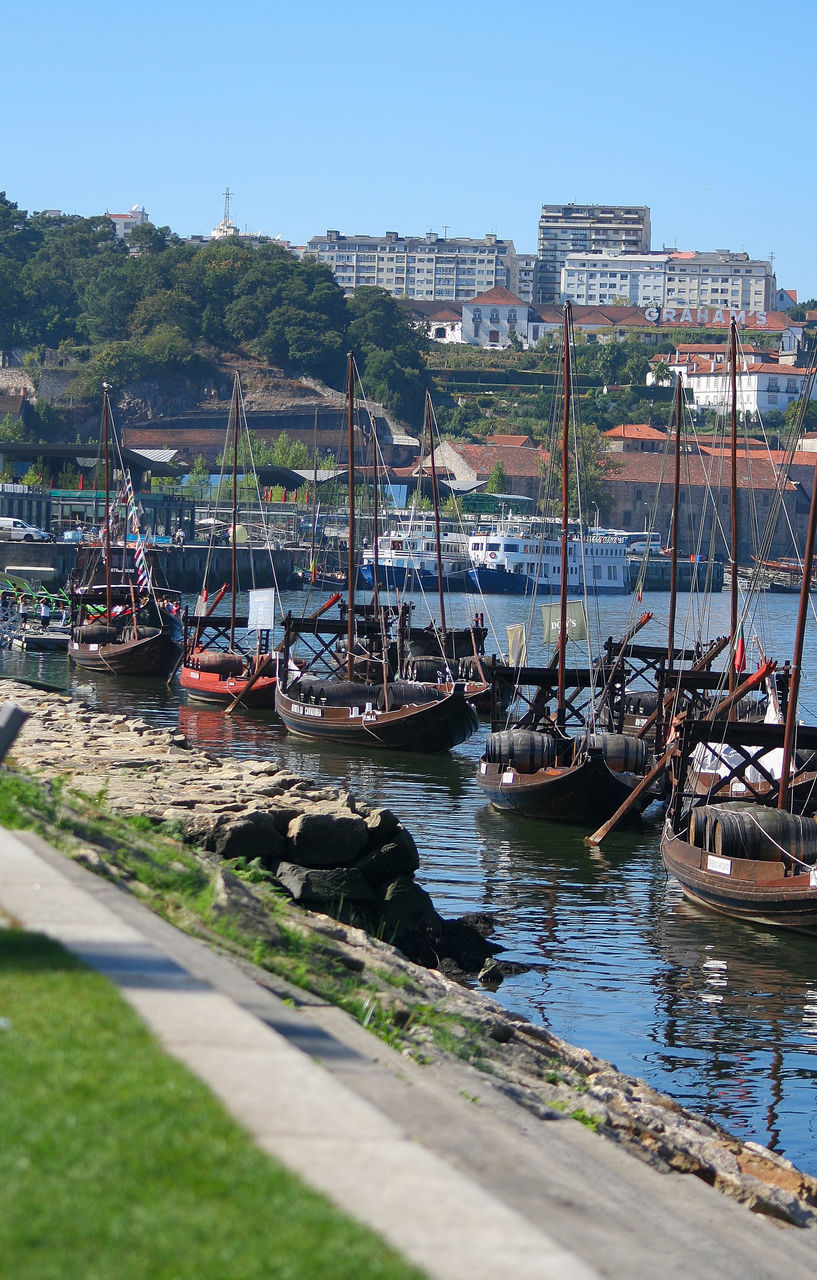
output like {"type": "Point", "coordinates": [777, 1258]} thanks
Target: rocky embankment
{"type": "Point", "coordinates": [335, 854]}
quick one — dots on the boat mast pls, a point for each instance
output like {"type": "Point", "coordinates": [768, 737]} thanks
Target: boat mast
{"type": "Point", "coordinates": [673, 574]}
{"type": "Point", "coordinates": [350, 560]}
{"type": "Point", "coordinates": [375, 521]}
{"type": "Point", "coordinates": [435, 497]}
{"type": "Point", "coordinates": [105, 432]}
{"type": "Point", "coordinates": [802, 618]}
{"type": "Point", "coordinates": [733, 488]}
{"type": "Point", "coordinates": [233, 558]}
{"type": "Point", "coordinates": [562, 651]}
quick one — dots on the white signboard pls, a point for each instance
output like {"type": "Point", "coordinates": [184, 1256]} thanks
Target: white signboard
{"type": "Point", "coordinates": [262, 610]}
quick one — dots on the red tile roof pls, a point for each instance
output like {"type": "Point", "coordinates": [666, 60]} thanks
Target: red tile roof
{"type": "Point", "coordinates": [634, 431]}
{"type": "Point", "coordinates": [650, 468]}
{"type": "Point", "coordinates": [521, 442]}
{"type": "Point", "coordinates": [517, 460]}
{"type": "Point", "coordinates": [499, 296]}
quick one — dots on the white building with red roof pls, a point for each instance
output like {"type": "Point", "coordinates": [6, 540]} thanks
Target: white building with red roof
{"type": "Point", "coordinates": [761, 388]}
{"type": "Point", "coordinates": [490, 319]}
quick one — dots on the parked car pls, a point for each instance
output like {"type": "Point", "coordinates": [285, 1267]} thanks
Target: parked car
{"type": "Point", "coordinates": [14, 530]}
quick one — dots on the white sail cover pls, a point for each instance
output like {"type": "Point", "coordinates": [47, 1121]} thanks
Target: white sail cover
{"type": "Point", "coordinates": [517, 644]}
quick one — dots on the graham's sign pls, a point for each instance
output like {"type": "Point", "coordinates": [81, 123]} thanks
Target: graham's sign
{"type": "Point", "coordinates": [706, 317]}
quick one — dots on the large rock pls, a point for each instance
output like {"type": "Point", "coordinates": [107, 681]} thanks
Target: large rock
{"type": "Point", "coordinates": [324, 886]}
{"type": "Point", "coordinates": [327, 836]}
{"type": "Point", "coordinates": [252, 834]}
{"type": "Point", "coordinates": [396, 857]}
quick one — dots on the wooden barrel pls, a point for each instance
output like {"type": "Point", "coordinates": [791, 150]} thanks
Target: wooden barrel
{"type": "Point", "coordinates": [218, 661]}
{"type": "Point", "coordinates": [525, 749]}
{"type": "Point", "coordinates": [403, 693]}
{"type": "Point", "coordinates": [699, 827]}
{"type": "Point", "coordinates": [95, 633]}
{"type": "Point", "coordinates": [765, 835]}
{"type": "Point", "coordinates": [426, 668]}
{"type": "Point", "coordinates": [622, 753]}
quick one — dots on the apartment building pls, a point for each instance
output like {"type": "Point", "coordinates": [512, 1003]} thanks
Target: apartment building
{"type": "Point", "coordinates": [582, 228]}
{"type": "Point", "coordinates": [429, 267]}
{"type": "Point", "coordinates": [684, 279]}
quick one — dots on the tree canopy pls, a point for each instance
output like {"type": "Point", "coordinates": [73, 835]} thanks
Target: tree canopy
{"type": "Point", "coordinates": [160, 306]}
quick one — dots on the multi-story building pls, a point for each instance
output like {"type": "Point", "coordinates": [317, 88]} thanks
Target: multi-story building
{"type": "Point", "coordinates": [125, 222]}
{"type": "Point", "coordinates": [585, 228]}
{"type": "Point", "coordinates": [426, 267]}
{"type": "Point", "coordinates": [624, 279]}
{"type": "Point", "coordinates": [669, 279]}
{"type": "Point", "coordinates": [526, 276]}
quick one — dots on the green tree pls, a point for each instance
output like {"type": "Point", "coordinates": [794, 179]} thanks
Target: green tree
{"type": "Point", "coordinates": [198, 479]}
{"type": "Point", "coordinates": [497, 480]}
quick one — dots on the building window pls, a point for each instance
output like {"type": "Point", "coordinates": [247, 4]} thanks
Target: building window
{"type": "Point", "coordinates": [494, 315]}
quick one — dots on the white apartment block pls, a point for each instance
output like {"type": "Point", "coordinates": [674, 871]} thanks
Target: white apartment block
{"type": "Point", "coordinates": [428, 267]}
{"type": "Point", "coordinates": [723, 279]}
{"type": "Point", "coordinates": [585, 228]}
{"type": "Point", "coordinates": [626, 279]}
{"type": "Point", "coordinates": [526, 276]}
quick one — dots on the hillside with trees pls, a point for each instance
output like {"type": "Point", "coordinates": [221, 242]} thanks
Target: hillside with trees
{"type": "Point", "coordinates": [158, 308]}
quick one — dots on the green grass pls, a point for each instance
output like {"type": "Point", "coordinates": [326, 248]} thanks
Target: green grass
{"type": "Point", "coordinates": [117, 1164]}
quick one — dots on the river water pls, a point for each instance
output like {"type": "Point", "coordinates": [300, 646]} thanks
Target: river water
{"type": "Point", "coordinates": [720, 1015]}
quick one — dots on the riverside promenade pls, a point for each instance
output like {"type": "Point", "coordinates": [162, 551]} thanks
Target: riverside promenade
{"type": "Point", "coordinates": [443, 1163]}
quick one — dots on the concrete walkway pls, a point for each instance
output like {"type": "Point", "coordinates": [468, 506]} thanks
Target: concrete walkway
{"type": "Point", "coordinates": [444, 1166]}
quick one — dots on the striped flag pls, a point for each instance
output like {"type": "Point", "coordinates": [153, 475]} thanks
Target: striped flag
{"type": "Point", "coordinates": [740, 651]}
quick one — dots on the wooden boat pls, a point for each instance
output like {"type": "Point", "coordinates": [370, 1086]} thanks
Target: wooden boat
{"type": "Point", "coordinates": [743, 856]}
{"type": "Point", "coordinates": [537, 768]}
{"type": "Point", "coordinates": [401, 715]}
{"type": "Point", "coordinates": [215, 668]}
{"type": "Point", "coordinates": [120, 623]}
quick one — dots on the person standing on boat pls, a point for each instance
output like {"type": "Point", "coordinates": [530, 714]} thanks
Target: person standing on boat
{"type": "Point", "coordinates": [44, 613]}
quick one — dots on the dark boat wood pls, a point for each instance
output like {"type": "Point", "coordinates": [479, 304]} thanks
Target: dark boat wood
{"type": "Point", "coordinates": [762, 892]}
{"type": "Point", "coordinates": [579, 792]}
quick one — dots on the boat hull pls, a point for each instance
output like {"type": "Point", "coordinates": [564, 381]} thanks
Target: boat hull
{"type": "Point", "coordinates": [431, 727]}
{"type": "Point", "coordinates": [406, 578]}
{"type": "Point", "coordinates": [152, 656]}
{"type": "Point", "coordinates": [217, 690]}
{"type": "Point", "coordinates": [588, 792]}
{"type": "Point", "coordinates": [756, 891]}
{"type": "Point", "coordinates": [499, 582]}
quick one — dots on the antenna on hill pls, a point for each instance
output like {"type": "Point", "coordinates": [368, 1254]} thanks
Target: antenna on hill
{"type": "Point", "coordinates": [227, 195]}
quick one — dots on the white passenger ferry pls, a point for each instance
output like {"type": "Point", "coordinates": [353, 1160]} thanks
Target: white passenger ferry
{"type": "Point", "coordinates": [407, 557]}
{"type": "Point", "coordinates": [516, 558]}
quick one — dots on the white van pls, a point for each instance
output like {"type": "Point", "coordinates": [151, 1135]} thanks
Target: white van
{"type": "Point", "coordinates": [14, 530]}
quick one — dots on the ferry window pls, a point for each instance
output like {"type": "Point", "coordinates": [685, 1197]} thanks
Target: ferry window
{"type": "Point", "coordinates": [511, 546]}
{"type": "Point", "coordinates": [492, 546]}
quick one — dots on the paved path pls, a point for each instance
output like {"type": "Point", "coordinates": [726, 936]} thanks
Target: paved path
{"type": "Point", "coordinates": [468, 1190]}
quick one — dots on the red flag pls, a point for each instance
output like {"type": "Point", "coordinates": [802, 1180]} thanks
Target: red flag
{"type": "Point", "coordinates": [285, 496]}
{"type": "Point", "coordinates": [80, 485]}
{"type": "Point", "coordinates": [740, 652]}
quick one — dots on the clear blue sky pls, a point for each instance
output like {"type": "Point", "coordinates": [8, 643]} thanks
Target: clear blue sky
{"type": "Point", "coordinates": [467, 116]}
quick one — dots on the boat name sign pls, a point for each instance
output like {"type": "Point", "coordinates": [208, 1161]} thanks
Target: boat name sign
{"type": "Point", "coordinates": [722, 865]}
{"type": "Point", "coordinates": [298, 710]}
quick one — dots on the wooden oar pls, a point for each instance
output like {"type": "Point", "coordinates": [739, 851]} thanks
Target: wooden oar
{"type": "Point", "coordinates": [660, 766]}
{"type": "Point", "coordinates": [259, 671]}
{"type": "Point", "coordinates": [711, 654]}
